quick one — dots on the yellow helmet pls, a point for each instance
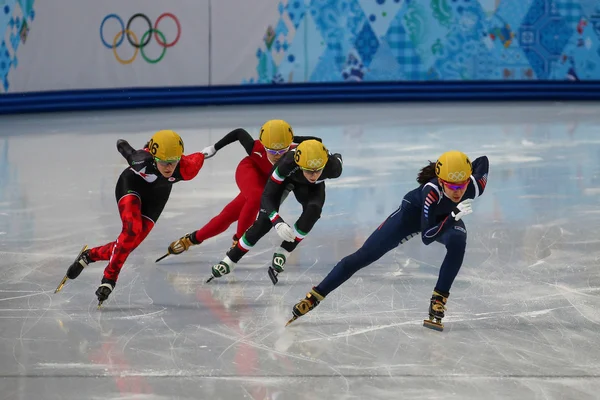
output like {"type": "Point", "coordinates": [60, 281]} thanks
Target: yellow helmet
{"type": "Point", "coordinates": [166, 145]}
{"type": "Point", "coordinates": [276, 134]}
{"type": "Point", "coordinates": [453, 166]}
{"type": "Point", "coordinates": [311, 155]}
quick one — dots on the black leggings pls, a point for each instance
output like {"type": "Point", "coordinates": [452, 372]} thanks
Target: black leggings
{"type": "Point", "coordinates": [310, 196]}
{"type": "Point", "coordinates": [399, 227]}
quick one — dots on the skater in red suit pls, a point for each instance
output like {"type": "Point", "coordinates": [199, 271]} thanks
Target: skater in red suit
{"type": "Point", "coordinates": [142, 192]}
{"type": "Point", "coordinates": [275, 139]}
{"type": "Point", "coordinates": [305, 168]}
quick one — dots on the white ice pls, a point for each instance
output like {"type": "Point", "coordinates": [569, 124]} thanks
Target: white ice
{"type": "Point", "coordinates": [522, 319]}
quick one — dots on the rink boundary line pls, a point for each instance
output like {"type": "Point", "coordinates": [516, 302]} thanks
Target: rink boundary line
{"type": "Point", "coordinates": [312, 376]}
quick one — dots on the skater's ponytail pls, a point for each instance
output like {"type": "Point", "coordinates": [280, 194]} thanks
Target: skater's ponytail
{"type": "Point", "coordinates": [426, 173]}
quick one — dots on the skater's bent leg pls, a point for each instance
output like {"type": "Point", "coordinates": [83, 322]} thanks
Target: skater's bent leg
{"type": "Point", "coordinates": [312, 199]}
{"type": "Point", "coordinates": [221, 222]}
{"type": "Point", "coordinates": [455, 240]}
{"type": "Point", "coordinates": [307, 220]}
{"type": "Point", "coordinates": [147, 225]}
{"type": "Point", "coordinates": [104, 252]}
{"type": "Point", "coordinates": [387, 236]}
{"type": "Point", "coordinates": [249, 212]}
{"type": "Point", "coordinates": [101, 253]}
{"type": "Point", "coordinates": [260, 228]}
{"type": "Point", "coordinates": [135, 229]}
{"type": "Point", "coordinates": [251, 183]}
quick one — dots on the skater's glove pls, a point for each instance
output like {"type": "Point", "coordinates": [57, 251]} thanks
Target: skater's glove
{"type": "Point", "coordinates": [140, 159]}
{"type": "Point", "coordinates": [462, 209]}
{"type": "Point", "coordinates": [125, 148]}
{"type": "Point", "coordinates": [209, 151]}
{"type": "Point", "coordinates": [285, 232]}
{"type": "Point", "coordinates": [180, 245]}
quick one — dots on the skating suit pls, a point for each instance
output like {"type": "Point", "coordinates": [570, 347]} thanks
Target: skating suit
{"type": "Point", "coordinates": [424, 210]}
{"type": "Point", "coordinates": [251, 175]}
{"type": "Point", "coordinates": [141, 193]}
{"type": "Point", "coordinates": [310, 195]}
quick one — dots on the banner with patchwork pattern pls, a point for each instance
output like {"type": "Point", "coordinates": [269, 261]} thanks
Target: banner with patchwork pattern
{"type": "Point", "coordinates": [412, 40]}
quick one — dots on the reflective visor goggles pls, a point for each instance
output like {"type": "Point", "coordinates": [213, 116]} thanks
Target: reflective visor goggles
{"type": "Point", "coordinates": [166, 163]}
{"type": "Point", "coordinates": [276, 152]}
{"type": "Point", "coordinates": [456, 185]}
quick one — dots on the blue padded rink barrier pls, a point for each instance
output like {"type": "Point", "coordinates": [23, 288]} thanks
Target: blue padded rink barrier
{"type": "Point", "coordinates": [522, 319]}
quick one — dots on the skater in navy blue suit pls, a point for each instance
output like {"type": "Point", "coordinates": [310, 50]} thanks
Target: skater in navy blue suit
{"type": "Point", "coordinates": [435, 210]}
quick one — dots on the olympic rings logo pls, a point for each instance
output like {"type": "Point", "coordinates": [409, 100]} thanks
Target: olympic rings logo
{"type": "Point", "coordinates": [277, 146]}
{"type": "Point", "coordinates": [145, 39]}
{"type": "Point", "coordinates": [457, 176]}
{"type": "Point", "coordinates": [314, 163]}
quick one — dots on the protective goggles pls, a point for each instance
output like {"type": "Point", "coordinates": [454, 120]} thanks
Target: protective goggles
{"type": "Point", "coordinates": [166, 163]}
{"type": "Point", "coordinates": [276, 152]}
{"type": "Point", "coordinates": [455, 185]}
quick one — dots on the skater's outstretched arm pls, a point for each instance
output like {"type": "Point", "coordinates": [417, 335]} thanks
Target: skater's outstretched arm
{"type": "Point", "coordinates": [236, 135]}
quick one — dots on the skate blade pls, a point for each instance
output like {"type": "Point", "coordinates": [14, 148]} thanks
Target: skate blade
{"type": "Point", "coordinates": [273, 275]}
{"type": "Point", "coordinates": [100, 304]}
{"type": "Point", "coordinates": [61, 284]}
{"type": "Point", "coordinates": [66, 278]}
{"type": "Point", "coordinates": [84, 248]}
{"type": "Point", "coordinates": [163, 257]}
{"type": "Point", "coordinates": [436, 326]}
{"type": "Point", "coordinates": [210, 279]}
{"type": "Point", "coordinates": [291, 320]}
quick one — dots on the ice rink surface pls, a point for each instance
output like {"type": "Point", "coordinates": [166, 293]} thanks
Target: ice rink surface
{"type": "Point", "coordinates": [523, 316]}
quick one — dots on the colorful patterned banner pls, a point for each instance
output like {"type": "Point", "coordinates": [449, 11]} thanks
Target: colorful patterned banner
{"type": "Point", "coordinates": [15, 18]}
{"type": "Point", "coordinates": [302, 41]}
{"type": "Point", "coordinates": [400, 40]}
